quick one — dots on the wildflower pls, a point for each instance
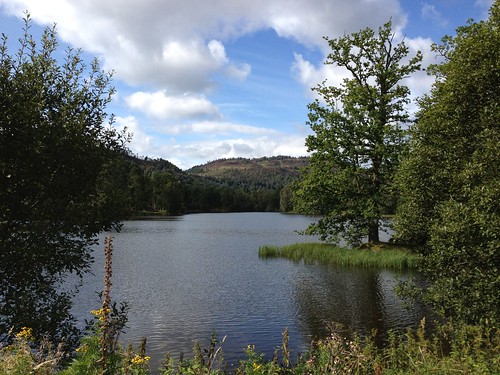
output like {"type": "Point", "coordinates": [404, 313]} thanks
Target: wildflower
{"type": "Point", "coordinates": [256, 366]}
{"type": "Point", "coordinates": [25, 333]}
{"type": "Point", "coordinates": [81, 349]}
{"type": "Point", "coordinates": [139, 359]}
{"type": "Point", "coordinates": [100, 312]}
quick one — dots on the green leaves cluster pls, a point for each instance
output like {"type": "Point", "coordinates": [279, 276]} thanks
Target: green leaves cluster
{"type": "Point", "coordinates": [446, 180]}
{"type": "Point", "coordinates": [54, 142]}
{"type": "Point", "coordinates": [358, 136]}
{"type": "Point", "coordinates": [450, 181]}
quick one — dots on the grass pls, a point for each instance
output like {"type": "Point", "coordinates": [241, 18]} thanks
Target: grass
{"type": "Point", "coordinates": [452, 349]}
{"type": "Point", "coordinates": [380, 255]}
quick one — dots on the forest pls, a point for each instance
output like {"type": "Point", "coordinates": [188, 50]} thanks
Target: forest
{"type": "Point", "coordinates": [145, 186]}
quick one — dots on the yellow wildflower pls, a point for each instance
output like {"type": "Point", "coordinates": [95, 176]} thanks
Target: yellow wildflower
{"type": "Point", "coordinates": [82, 349]}
{"type": "Point", "coordinates": [139, 359]}
{"type": "Point", "coordinates": [100, 312]}
{"type": "Point", "coordinates": [25, 333]}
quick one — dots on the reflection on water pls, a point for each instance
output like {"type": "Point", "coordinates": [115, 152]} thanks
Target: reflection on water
{"type": "Point", "coordinates": [360, 299]}
{"type": "Point", "coordinates": [185, 277]}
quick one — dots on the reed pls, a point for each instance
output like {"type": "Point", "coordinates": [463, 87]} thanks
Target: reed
{"type": "Point", "coordinates": [374, 256]}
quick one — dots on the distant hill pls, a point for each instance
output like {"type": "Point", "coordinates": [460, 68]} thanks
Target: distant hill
{"type": "Point", "coordinates": [267, 172]}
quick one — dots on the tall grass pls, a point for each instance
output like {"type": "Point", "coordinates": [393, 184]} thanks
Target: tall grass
{"type": "Point", "coordinates": [375, 256]}
{"type": "Point", "coordinates": [452, 349]}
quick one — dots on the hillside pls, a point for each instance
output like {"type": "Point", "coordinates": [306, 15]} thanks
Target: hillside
{"type": "Point", "coordinates": [267, 172]}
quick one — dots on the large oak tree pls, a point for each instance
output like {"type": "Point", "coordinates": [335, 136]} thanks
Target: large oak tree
{"type": "Point", "coordinates": [358, 136]}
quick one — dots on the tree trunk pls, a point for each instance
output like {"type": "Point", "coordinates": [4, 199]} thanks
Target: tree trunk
{"type": "Point", "coordinates": [373, 232]}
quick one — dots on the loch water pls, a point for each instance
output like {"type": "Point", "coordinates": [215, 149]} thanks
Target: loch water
{"type": "Point", "coordinates": [186, 276]}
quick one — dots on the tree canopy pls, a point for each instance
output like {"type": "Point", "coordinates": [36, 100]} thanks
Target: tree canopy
{"type": "Point", "coordinates": [55, 139]}
{"type": "Point", "coordinates": [359, 136]}
{"type": "Point", "coordinates": [450, 180]}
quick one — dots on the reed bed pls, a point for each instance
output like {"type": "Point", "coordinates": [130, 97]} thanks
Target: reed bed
{"type": "Point", "coordinates": [375, 256]}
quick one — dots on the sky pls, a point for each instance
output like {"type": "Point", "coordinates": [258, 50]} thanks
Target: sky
{"type": "Point", "coordinates": [202, 80]}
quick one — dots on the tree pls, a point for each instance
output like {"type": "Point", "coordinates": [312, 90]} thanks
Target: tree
{"type": "Point", "coordinates": [359, 136]}
{"type": "Point", "coordinates": [54, 143]}
{"type": "Point", "coordinates": [450, 181]}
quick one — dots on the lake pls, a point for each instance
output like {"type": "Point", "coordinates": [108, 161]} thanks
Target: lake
{"type": "Point", "coordinates": [188, 275]}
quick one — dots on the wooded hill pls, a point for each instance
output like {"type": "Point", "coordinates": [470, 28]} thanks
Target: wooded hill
{"type": "Point", "coordinates": [267, 172]}
{"type": "Point", "coordinates": [146, 186]}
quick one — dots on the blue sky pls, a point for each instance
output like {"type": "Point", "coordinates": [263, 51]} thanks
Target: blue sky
{"type": "Point", "coordinates": [202, 80]}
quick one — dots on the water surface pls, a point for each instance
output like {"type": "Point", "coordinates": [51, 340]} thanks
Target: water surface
{"type": "Point", "coordinates": [186, 276]}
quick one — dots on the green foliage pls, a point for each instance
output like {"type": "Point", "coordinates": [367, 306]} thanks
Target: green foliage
{"type": "Point", "coordinates": [258, 173]}
{"type": "Point", "coordinates": [450, 181]}
{"type": "Point", "coordinates": [310, 253]}
{"type": "Point", "coordinates": [20, 358]}
{"type": "Point", "coordinates": [452, 349]}
{"type": "Point", "coordinates": [89, 355]}
{"type": "Point", "coordinates": [54, 144]}
{"type": "Point", "coordinates": [204, 362]}
{"type": "Point", "coordinates": [358, 136]}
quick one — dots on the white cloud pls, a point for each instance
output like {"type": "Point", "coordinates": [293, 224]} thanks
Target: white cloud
{"type": "Point", "coordinates": [218, 52]}
{"type": "Point", "coordinates": [214, 128]}
{"type": "Point", "coordinates": [173, 52]}
{"type": "Point", "coordinates": [180, 45]}
{"type": "Point", "coordinates": [240, 72]}
{"type": "Point", "coordinates": [305, 72]}
{"type": "Point", "coordinates": [141, 142]}
{"type": "Point", "coordinates": [420, 82]}
{"type": "Point", "coordinates": [252, 142]}
{"type": "Point", "coordinates": [429, 11]}
{"type": "Point", "coordinates": [185, 155]}
{"type": "Point", "coordinates": [161, 106]}
{"type": "Point", "coordinates": [309, 22]}
{"type": "Point", "coordinates": [310, 75]}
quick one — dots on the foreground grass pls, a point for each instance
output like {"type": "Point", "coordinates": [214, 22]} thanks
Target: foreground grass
{"type": "Point", "coordinates": [381, 256]}
{"type": "Point", "coordinates": [451, 350]}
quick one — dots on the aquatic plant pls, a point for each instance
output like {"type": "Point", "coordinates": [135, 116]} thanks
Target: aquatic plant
{"type": "Point", "coordinates": [375, 256]}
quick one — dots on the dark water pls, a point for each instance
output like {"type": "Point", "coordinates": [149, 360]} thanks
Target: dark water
{"type": "Point", "coordinates": [186, 276]}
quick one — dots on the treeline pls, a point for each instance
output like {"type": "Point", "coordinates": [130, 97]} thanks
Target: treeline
{"type": "Point", "coordinates": [156, 186]}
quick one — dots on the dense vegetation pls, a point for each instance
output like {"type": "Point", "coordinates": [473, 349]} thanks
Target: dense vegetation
{"type": "Point", "coordinates": [449, 182]}
{"type": "Point", "coordinates": [450, 350]}
{"type": "Point", "coordinates": [267, 172]}
{"type": "Point", "coordinates": [55, 141]}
